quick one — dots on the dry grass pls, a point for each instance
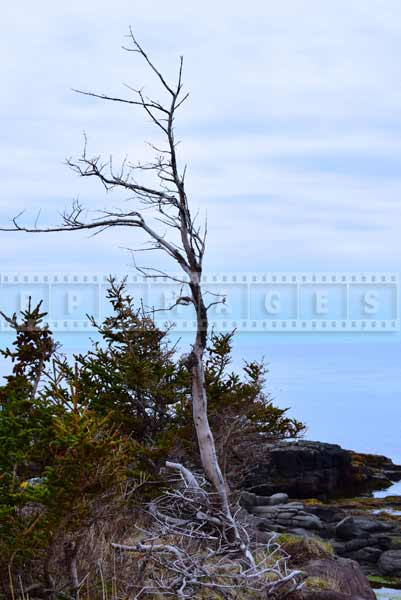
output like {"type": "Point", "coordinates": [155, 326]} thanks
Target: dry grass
{"type": "Point", "coordinates": [320, 583]}
{"type": "Point", "coordinates": [302, 549]}
{"type": "Point", "coordinates": [109, 574]}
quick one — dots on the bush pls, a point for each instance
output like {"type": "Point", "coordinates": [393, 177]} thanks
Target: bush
{"type": "Point", "coordinates": [61, 464]}
{"type": "Point", "coordinates": [81, 445]}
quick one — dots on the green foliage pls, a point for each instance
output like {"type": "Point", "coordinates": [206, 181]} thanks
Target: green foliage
{"type": "Point", "coordinates": [378, 581]}
{"type": "Point", "coordinates": [88, 457]}
{"type": "Point", "coordinates": [60, 461]}
{"type": "Point", "coordinates": [72, 435]}
{"type": "Point", "coordinates": [132, 373]}
{"type": "Point", "coordinates": [25, 422]}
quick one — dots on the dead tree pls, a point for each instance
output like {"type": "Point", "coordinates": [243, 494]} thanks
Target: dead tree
{"type": "Point", "coordinates": [169, 202]}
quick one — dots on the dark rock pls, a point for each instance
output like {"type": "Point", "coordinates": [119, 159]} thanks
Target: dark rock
{"type": "Point", "coordinates": [390, 562]}
{"type": "Point", "coordinates": [306, 469]}
{"type": "Point", "coordinates": [278, 499]}
{"type": "Point", "coordinates": [346, 576]}
{"type": "Point", "coordinates": [394, 474]}
{"type": "Point", "coordinates": [261, 524]}
{"type": "Point", "coordinates": [328, 595]}
{"type": "Point", "coordinates": [379, 481]}
{"type": "Point", "coordinates": [292, 507]}
{"type": "Point", "coordinates": [347, 547]}
{"type": "Point", "coordinates": [345, 528]}
{"type": "Point", "coordinates": [301, 469]}
{"type": "Point", "coordinates": [313, 469]}
{"type": "Point", "coordinates": [306, 521]}
{"type": "Point", "coordinates": [295, 506]}
{"type": "Point", "coordinates": [291, 515]}
{"type": "Point", "coordinates": [328, 514]}
{"type": "Point", "coordinates": [285, 515]}
{"type": "Point", "coordinates": [328, 532]}
{"type": "Point", "coordinates": [265, 510]}
{"type": "Point", "coordinates": [369, 554]}
{"type": "Point", "coordinates": [248, 500]}
{"type": "Point", "coordinates": [367, 525]}
{"type": "Point", "coordinates": [383, 542]}
{"type": "Point", "coordinates": [375, 471]}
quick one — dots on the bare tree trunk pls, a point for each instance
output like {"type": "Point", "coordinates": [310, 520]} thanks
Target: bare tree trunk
{"type": "Point", "coordinates": [207, 448]}
{"type": "Point", "coordinates": [71, 554]}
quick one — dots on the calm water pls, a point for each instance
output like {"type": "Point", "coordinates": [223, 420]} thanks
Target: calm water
{"type": "Point", "coordinates": [394, 490]}
{"type": "Point", "coordinates": [387, 594]}
{"type": "Point", "coordinates": [347, 390]}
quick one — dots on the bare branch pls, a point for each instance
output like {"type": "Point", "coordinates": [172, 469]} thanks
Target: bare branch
{"type": "Point", "coordinates": [139, 49]}
{"type": "Point", "coordinates": [154, 105]}
{"type": "Point", "coordinates": [188, 477]}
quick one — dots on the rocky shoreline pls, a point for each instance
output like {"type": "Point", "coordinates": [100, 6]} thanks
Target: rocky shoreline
{"type": "Point", "coordinates": [307, 469]}
{"type": "Point", "coordinates": [311, 490]}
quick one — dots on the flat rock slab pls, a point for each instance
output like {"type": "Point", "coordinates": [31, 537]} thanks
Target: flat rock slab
{"type": "Point", "coordinates": [291, 507]}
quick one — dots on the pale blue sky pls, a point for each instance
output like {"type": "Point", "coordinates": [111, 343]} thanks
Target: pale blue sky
{"type": "Point", "coordinates": [292, 134]}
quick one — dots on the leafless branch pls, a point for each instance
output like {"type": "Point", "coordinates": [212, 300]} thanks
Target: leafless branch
{"type": "Point", "coordinates": [189, 552]}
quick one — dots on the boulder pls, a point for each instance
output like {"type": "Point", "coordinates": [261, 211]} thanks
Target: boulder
{"type": "Point", "coordinates": [306, 521]}
{"type": "Point", "coordinates": [301, 469]}
{"type": "Point", "coordinates": [279, 498]}
{"type": "Point", "coordinates": [389, 562]}
{"type": "Point", "coordinates": [248, 500]}
{"type": "Point", "coordinates": [346, 577]}
{"type": "Point", "coordinates": [289, 515]}
{"type": "Point", "coordinates": [370, 554]}
{"type": "Point", "coordinates": [265, 510]}
{"type": "Point", "coordinates": [329, 595]}
{"type": "Point", "coordinates": [354, 544]}
{"type": "Point", "coordinates": [291, 509]}
{"type": "Point", "coordinates": [367, 525]}
{"type": "Point", "coordinates": [351, 528]}
{"type": "Point", "coordinates": [328, 514]}
{"type": "Point", "coordinates": [384, 542]}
